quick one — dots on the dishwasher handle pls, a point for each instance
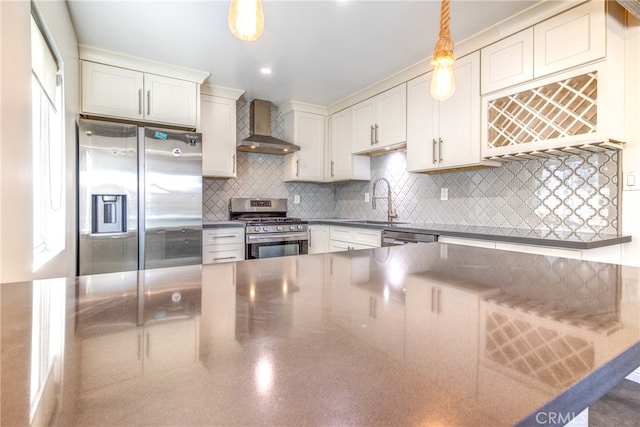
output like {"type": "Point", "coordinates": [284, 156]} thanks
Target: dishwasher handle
{"type": "Point", "coordinates": [393, 237]}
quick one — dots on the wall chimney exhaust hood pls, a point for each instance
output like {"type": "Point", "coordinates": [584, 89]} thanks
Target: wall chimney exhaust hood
{"type": "Point", "coordinates": [260, 139]}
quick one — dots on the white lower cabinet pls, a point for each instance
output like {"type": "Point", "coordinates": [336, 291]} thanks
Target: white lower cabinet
{"type": "Point", "coordinates": [467, 242]}
{"type": "Point", "coordinates": [359, 306]}
{"type": "Point", "coordinates": [318, 239]}
{"type": "Point", "coordinates": [353, 238]}
{"type": "Point", "coordinates": [225, 244]}
{"type": "Point", "coordinates": [129, 354]}
{"type": "Point", "coordinates": [608, 254]}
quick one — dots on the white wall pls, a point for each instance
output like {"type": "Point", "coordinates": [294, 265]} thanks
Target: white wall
{"type": "Point", "coordinates": [15, 144]}
{"type": "Point", "coordinates": [15, 137]}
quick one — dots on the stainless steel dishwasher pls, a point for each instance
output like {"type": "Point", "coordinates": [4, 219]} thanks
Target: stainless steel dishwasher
{"type": "Point", "coordinates": [395, 237]}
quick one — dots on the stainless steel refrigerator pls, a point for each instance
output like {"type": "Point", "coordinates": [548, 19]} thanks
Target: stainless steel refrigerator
{"type": "Point", "coordinates": [139, 197]}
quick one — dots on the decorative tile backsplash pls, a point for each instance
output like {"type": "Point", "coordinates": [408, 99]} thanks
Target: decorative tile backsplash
{"type": "Point", "coordinates": [260, 175]}
{"type": "Point", "coordinates": [573, 193]}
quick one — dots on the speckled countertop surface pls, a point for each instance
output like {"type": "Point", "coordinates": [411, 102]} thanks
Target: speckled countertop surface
{"type": "Point", "coordinates": [568, 240]}
{"type": "Point", "coordinates": [431, 334]}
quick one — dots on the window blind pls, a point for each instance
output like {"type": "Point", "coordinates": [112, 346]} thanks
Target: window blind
{"type": "Point", "coordinates": [43, 63]}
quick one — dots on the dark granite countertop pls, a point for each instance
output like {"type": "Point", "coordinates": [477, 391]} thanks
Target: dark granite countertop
{"type": "Point", "coordinates": [405, 335]}
{"type": "Point", "coordinates": [222, 224]}
{"type": "Point", "coordinates": [567, 240]}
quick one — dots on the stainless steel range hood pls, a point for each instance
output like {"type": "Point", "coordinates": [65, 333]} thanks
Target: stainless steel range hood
{"type": "Point", "coordinates": [260, 140]}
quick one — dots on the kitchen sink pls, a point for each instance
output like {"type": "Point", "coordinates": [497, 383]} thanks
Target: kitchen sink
{"type": "Point", "coordinates": [382, 222]}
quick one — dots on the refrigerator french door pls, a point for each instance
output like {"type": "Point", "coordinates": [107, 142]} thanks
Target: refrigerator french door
{"type": "Point", "coordinates": [139, 197]}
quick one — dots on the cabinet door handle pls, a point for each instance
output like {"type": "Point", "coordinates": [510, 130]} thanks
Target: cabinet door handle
{"type": "Point", "coordinates": [433, 299]}
{"type": "Point", "coordinates": [309, 233]}
{"type": "Point", "coordinates": [140, 101]}
{"type": "Point", "coordinates": [148, 103]}
{"type": "Point", "coordinates": [373, 307]}
{"type": "Point", "coordinates": [435, 156]}
{"type": "Point", "coordinates": [440, 149]}
{"type": "Point", "coordinates": [147, 345]}
{"type": "Point", "coordinates": [223, 258]}
{"type": "Point", "coordinates": [234, 163]}
{"type": "Point", "coordinates": [297, 168]}
{"type": "Point", "coordinates": [332, 163]}
{"type": "Point", "coordinates": [439, 301]}
{"type": "Point", "coordinates": [371, 136]}
{"type": "Point", "coordinates": [376, 133]}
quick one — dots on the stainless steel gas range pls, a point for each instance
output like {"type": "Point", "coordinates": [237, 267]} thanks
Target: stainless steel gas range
{"type": "Point", "coordinates": [269, 232]}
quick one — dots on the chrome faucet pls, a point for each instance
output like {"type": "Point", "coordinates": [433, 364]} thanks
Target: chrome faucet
{"type": "Point", "coordinates": [390, 213]}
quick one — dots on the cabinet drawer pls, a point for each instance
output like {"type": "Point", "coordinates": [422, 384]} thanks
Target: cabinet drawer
{"type": "Point", "coordinates": [367, 238]}
{"type": "Point", "coordinates": [223, 236]}
{"type": "Point", "coordinates": [356, 236]}
{"type": "Point", "coordinates": [214, 254]}
{"type": "Point", "coordinates": [341, 234]}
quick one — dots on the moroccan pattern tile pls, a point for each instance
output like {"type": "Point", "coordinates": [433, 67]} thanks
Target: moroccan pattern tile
{"type": "Point", "coordinates": [546, 355]}
{"type": "Point", "coordinates": [568, 194]}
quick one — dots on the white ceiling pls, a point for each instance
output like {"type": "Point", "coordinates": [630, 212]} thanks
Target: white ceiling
{"type": "Point", "coordinates": [319, 51]}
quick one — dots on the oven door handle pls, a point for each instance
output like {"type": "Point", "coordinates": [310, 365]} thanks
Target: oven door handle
{"type": "Point", "coordinates": [276, 237]}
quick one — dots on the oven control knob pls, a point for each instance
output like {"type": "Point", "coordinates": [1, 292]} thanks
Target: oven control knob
{"type": "Point", "coordinates": [280, 228]}
{"type": "Point", "coordinates": [301, 227]}
{"type": "Point", "coordinates": [256, 229]}
{"type": "Point", "coordinates": [292, 227]}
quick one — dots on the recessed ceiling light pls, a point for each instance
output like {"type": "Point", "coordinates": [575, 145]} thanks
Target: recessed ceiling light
{"type": "Point", "coordinates": [265, 70]}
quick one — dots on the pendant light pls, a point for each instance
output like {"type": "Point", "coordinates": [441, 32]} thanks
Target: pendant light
{"type": "Point", "coordinates": [246, 20]}
{"type": "Point", "coordinates": [443, 83]}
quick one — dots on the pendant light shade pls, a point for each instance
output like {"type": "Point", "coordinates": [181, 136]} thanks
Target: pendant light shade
{"type": "Point", "coordinates": [246, 20]}
{"type": "Point", "coordinates": [443, 83]}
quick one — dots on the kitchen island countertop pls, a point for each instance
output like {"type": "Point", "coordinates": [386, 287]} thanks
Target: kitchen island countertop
{"type": "Point", "coordinates": [559, 239]}
{"type": "Point", "coordinates": [415, 334]}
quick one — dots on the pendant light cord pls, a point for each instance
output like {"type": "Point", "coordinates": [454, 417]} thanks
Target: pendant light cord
{"type": "Point", "coordinates": [444, 45]}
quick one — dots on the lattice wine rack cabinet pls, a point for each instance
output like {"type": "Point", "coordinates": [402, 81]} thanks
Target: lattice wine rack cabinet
{"type": "Point", "coordinates": [575, 112]}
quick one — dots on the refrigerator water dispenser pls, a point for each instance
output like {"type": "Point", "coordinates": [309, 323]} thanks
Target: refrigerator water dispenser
{"type": "Point", "coordinates": [109, 212]}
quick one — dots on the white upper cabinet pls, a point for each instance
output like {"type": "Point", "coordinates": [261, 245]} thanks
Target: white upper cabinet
{"type": "Point", "coordinates": [308, 131]}
{"type": "Point", "coordinates": [445, 134]}
{"type": "Point", "coordinates": [507, 62]}
{"type": "Point", "coordinates": [117, 92]}
{"type": "Point", "coordinates": [573, 103]}
{"type": "Point", "coordinates": [344, 166]}
{"type": "Point", "coordinates": [572, 38]}
{"type": "Point", "coordinates": [567, 40]}
{"type": "Point", "coordinates": [380, 122]}
{"type": "Point", "coordinates": [170, 100]}
{"type": "Point", "coordinates": [218, 128]}
{"type": "Point", "coordinates": [112, 91]}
